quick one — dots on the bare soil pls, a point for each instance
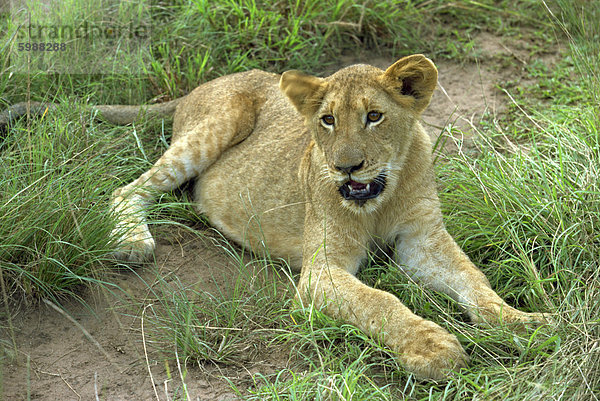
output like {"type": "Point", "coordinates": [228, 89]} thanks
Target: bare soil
{"type": "Point", "coordinates": [103, 355]}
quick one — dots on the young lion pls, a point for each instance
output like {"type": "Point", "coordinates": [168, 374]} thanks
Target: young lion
{"type": "Point", "coordinates": [320, 170]}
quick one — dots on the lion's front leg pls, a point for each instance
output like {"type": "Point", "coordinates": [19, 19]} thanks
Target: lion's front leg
{"type": "Point", "coordinates": [431, 256]}
{"type": "Point", "coordinates": [327, 281]}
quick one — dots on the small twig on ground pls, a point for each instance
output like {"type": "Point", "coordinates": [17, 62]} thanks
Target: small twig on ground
{"type": "Point", "coordinates": [62, 378]}
{"type": "Point", "coordinates": [80, 327]}
{"type": "Point", "coordinates": [146, 353]}
{"type": "Point", "coordinates": [96, 386]}
{"type": "Point", "coordinates": [181, 375]}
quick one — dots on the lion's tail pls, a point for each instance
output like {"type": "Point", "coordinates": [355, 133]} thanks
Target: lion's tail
{"type": "Point", "coordinates": [121, 115]}
{"type": "Point", "coordinates": [117, 114]}
{"type": "Point", "coordinates": [16, 111]}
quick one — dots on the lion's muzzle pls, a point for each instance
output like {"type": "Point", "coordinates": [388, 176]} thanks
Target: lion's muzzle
{"type": "Point", "coordinates": [359, 192]}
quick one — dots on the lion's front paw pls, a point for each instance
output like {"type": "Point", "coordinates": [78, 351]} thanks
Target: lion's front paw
{"type": "Point", "coordinates": [135, 246]}
{"type": "Point", "coordinates": [430, 352]}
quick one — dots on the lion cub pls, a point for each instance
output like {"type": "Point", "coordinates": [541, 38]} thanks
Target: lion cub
{"type": "Point", "coordinates": [319, 170]}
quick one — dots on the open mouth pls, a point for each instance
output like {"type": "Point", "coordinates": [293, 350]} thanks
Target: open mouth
{"type": "Point", "coordinates": [357, 191]}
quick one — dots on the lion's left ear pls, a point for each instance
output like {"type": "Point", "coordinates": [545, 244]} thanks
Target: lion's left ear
{"type": "Point", "coordinates": [304, 91]}
{"type": "Point", "coordinates": [414, 76]}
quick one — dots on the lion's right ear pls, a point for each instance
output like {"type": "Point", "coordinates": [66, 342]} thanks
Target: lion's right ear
{"type": "Point", "coordinates": [304, 91]}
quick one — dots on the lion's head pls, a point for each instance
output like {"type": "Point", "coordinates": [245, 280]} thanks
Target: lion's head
{"type": "Point", "coordinates": [362, 119]}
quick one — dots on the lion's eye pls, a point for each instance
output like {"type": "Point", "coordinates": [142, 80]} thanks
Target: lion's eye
{"type": "Point", "coordinates": [373, 116]}
{"type": "Point", "coordinates": [328, 119]}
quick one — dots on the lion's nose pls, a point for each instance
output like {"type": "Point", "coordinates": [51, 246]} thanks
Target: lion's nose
{"type": "Point", "coordinates": [350, 169]}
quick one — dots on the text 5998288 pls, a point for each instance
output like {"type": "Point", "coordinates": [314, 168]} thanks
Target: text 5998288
{"type": "Point", "coordinates": [41, 47]}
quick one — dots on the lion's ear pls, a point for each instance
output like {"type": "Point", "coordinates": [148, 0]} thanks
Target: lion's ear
{"type": "Point", "coordinates": [414, 76]}
{"type": "Point", "coordinates": [304, 91]}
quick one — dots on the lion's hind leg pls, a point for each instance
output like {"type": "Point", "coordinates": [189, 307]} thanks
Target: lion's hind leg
{"type": "Point", "coordinates": [189, 156]}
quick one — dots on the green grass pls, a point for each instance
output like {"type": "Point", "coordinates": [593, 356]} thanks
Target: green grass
{"type": "Point", "coordinates": [525, 206]}
{"type": "Point", "coordinates": [56, 177]}
{"type": "Point", "coordinates": [193, 41]}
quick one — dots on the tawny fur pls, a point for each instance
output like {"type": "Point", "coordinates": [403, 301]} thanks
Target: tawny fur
{"type": "Point", "coordinates": [268, 171]}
